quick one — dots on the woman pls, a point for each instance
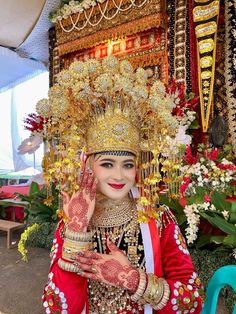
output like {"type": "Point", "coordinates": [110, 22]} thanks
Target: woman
{"type": "Point", "coordinates": [114, 265]}
{"type": "Point", "coordinates": [104, 260]}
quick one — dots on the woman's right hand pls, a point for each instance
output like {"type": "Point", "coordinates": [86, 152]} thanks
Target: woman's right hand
{"type": "Point", "coordinates": [80, 207]}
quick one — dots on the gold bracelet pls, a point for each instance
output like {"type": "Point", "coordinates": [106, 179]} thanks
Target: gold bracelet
{"type": "Point", "coordinates": [165, 297]}
{"type": "Point", "coordinates": [150, 289]}
{"type": "Point", "coordinates": [78, 236]}
{"type": "Point", "coordinates": [71, 248]}
{"type": "Point", "coordinates": [77, 245]}
{"type": "Point", "coordinates": [69, 255]}
{"type": "Point", "coordinates": [68, 266]}
{"type": "Point", "coordinates": [154, 291]}
{"type": "Point", "coordinates": [141, 286]}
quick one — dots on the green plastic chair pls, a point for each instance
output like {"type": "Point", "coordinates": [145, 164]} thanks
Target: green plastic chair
{"type": "Point", "coordinates": [224, 276]}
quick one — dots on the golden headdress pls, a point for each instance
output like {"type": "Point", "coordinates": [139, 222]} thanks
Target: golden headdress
{"type": "Point", "coordinates": [104, 106]}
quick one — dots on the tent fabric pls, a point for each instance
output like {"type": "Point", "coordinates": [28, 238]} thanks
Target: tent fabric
{"type": "Point", "coordinates": [28, 55]}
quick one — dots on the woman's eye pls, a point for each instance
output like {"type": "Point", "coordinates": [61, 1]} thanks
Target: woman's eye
{"type": "Point", "coordinates": [107, 165]}
{"type": "Point", "coordinates": [129, 166]}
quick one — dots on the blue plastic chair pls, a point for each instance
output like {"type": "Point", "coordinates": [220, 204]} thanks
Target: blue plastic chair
{"type": "Point", "coordinates": [224, 276]}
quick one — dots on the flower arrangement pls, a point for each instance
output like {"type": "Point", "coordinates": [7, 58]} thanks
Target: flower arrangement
{"type": "Point", "coordinates": [24, 236]}
{"type": "Point", "coordinates": [209, 170]}
{"type": "Point", "coordinates": [207, 194]}
{"type": "Point", "coordinates": [184, 111]}
{"type": "Point", "coordinates": [185, 104]}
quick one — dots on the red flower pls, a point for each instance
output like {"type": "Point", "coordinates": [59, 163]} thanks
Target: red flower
{"type": "Point", "coordinates": [189, 158]}
{"type": "Point", "coordinates": [191, 104]}
{"type": "Point", "coordinates": [213, 154]}
{"type": "Point", "coordinates": [207, 198]}
{"type": "Point", "coordinates": [226, 167]}
{"type": "Point", "coordinates": [184, 185]}
{"type": "Point", "coordinates": [177, 111]}
{"type": "Point", "coordinates": [183, 201]}
{"type": "Point", "coordinates": [34, 122]}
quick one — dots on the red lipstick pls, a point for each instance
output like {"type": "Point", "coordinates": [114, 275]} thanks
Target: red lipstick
{"type": "Point", "coordinates": [116, 186]}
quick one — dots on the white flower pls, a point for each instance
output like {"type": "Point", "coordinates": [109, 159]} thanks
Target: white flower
{"type": "Point", "coordinates": [30, 145]}
{"type": "Point", "coordinates": [193, 219]}
{"type": "Point", "coordinates": [182, 137]}
{"type": "Point", "coordinates": [225, 214]}
{"type": "Point", "coordinates": [234, 253]}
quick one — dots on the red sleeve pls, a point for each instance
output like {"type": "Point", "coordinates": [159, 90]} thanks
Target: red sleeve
{"type": "Point", "coordinates": [65, 292]}
{"type": "Point", "coordinates": [186, 291]}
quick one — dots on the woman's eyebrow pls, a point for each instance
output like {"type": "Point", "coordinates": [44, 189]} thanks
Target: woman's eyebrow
{"type": "Point", "coordinates": [128, 160]}
{"type": "Point", "coordinates": [107, 159]}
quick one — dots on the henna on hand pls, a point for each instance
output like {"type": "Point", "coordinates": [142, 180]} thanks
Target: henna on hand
{"type": "Point", "coordinates": [122, 276]}
{"type": "Point", "coordinates": [79, 209]}
{"type": "Point", "coordinates": [113, 269]}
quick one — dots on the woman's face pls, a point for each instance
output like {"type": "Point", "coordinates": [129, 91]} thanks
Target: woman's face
{"type": "Point", "coordinates": [115, 174]}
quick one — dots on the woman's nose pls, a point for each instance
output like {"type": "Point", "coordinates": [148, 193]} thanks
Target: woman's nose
{"type": "Point", "coordinates": [117, 174]}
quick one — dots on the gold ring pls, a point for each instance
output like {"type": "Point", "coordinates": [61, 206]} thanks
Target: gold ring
{"type": "Point", "coordinates": [80, 272]}
{"type": "Point", "coordinates": [93, 269]}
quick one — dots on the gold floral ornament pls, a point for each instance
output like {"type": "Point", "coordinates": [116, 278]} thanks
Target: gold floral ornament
{"type": "Point", "coordinates": [102, 106]}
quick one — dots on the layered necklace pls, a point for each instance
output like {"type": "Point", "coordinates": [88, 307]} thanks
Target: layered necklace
{"type": "Point", "coordinates": [118, 221]}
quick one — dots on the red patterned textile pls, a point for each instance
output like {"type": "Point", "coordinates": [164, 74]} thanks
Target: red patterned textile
{"type": "Point", "coordinates": [66, 292]}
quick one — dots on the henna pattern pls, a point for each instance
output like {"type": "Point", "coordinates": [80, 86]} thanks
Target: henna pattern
{"type": "Point", "coordinates": [113, 269]}
{"type": "Point", "coordinates": [80, 207]}
{"type": "Point", "coordinates": [77, 210]}
{"type": "Point", "coordinates": [123, 276]}
{"type": "Point", "coordinates": [133, 281]}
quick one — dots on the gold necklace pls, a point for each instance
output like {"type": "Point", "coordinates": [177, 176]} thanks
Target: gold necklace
{"type": "Point", "coordinates": [120, 224]}
{"type": "Point", "coordinates": [112, 213]}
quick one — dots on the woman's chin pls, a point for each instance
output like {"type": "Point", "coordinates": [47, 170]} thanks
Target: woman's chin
{"type": "Point", "coordinates": [115, 195]}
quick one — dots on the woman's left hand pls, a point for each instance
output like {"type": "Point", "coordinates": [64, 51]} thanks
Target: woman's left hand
{"type": "Point", "coordinates": [113, 269]}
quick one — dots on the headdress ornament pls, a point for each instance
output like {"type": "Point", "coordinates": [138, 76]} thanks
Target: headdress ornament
{"type": "Point", "coordinates": [98, 106]}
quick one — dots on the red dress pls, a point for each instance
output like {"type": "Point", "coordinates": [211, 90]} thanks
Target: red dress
{"type": "Point", "coordinates": [66, 292]}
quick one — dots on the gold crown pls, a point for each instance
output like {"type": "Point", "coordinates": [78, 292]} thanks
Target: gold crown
{"type": "Point", "coordinates": [99, 106]}
{"type": "Point", "coordinates": [112, 131]}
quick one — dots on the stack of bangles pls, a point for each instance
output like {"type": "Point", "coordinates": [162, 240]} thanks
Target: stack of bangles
{"type": "Point", "coordinates": [152, 290]}
{"type": "Point", "coordinates": [74, 242]}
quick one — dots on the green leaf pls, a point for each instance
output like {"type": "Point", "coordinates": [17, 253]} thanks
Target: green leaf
{"type": "Point", "coordinates": [181, 218]}
{"type": "Point", "coordinates": [232, 218]}
{"type": "Point", "coordinates": [34, 189]}
{"type": "Point", "coordinates": [198, 197]}
{"type": "Point", "coordinates": [171, 203]}
{"type": "Point", "coordinates": [203, 240]}
{"type": "Point", "coordinates": [217, 239]}
{"type": "Point", "coordinates": [194, 125]}
{"type": "Point", "coordinates": [233, 207]}
{"type": "Point", "coordinates": [230, 241]}
{"type": "Point", "coordinates": [219, 222]}
{"type": "Point", "coordinates": [218, 200]}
